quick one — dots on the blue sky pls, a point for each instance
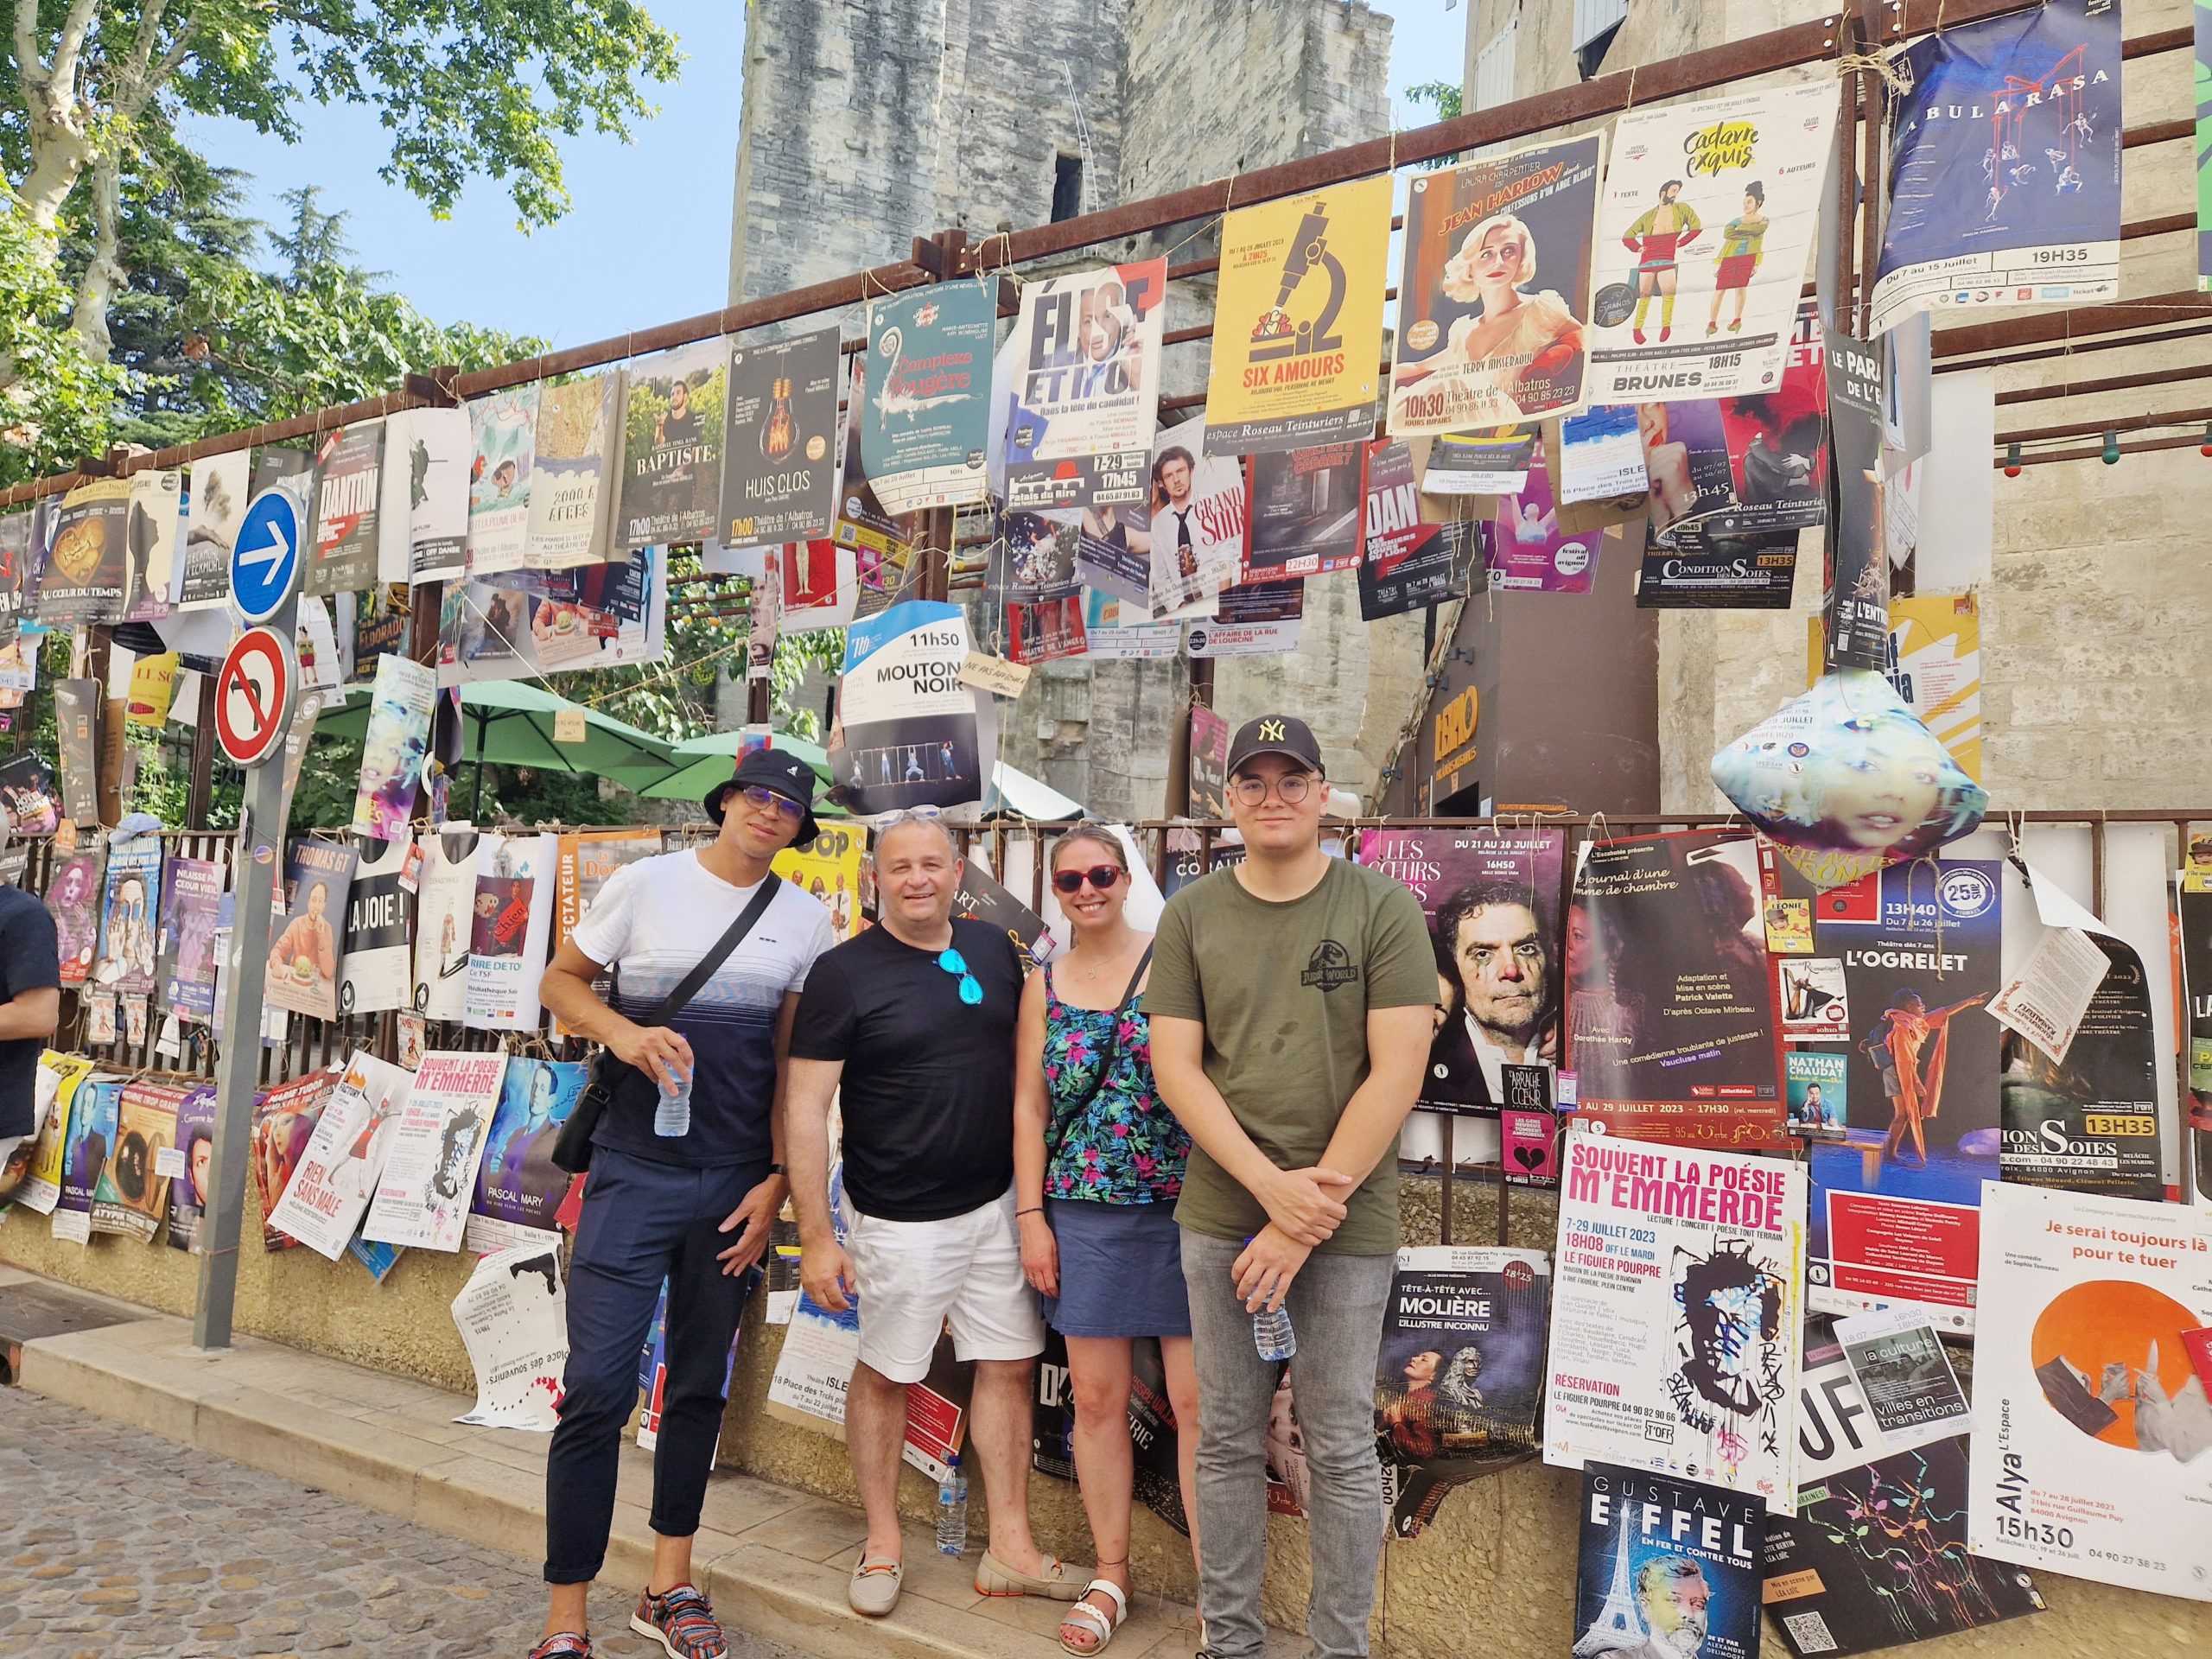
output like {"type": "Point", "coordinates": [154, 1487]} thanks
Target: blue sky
{"type": "Point", "coordinates": [594, 274]}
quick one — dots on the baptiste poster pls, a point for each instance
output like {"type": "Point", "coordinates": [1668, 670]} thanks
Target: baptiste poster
{"type": "Point", "coordinates": [672, 447]}
{"type": "Point", "coordinates": [2091, 1426]}
{"type": "Point", "coordinates": [1199, 518]}
{"type": "Point", "coordinates": [304, 960]}
{"type": "Point", "coordinates": [510, 922]}
{"type": "Point", "coordinates": [1495, 293]}
{"type": "Point", "coordinates": [375, 971]}
{"type": "Point", "coordinates": [926, 419]}
{"type": "Point", "coordinates": [576, 472]}
{"type": "Point", "coordinates": [1713, 208]}
{"type": "Point", "coordinates": [337, 1175]}
{"type": "Point", "coordinates": [519, 1186]}
{"type": "Point", "coordinates": [1410, 564]}
{"type": "Point", "coordinates": [85, 559]}
{"type": "Point", "coordinates": [1894, 1204]}
{"type": "Point", "coordinates": [1667, 1569]}
{"type": "Point", "coordinates": [907, 730]}
{"type": "Point", "coordinates": [1086, 386]}
{"type": "Point", "coordinates": [1461, 1370]}
{"type": "Point", "coordinates": [779, 457]}
{"type": "Point", "coordinates": [130, 909]}
{"type": "Point", "coordinates": [2004, 165]}
{"type": "Point", "coordinates": [503, 439]}
{"type": "Point", "coordinates": [1670, 1020]}
{"type": "Point", "coordinates": [393, 748]}
{"type": "Point", "coordinates": [1308, 510]}
{"type": "Point", "coordinates": [348, 478]}
{"type": "Point", "coordinates": [1676, 1317]}
{"type": "Point", "coordinates": [430, 1174]}
{"type": "Point", "coordinates": [192, 893]}
{"type": "Point", "coordinates": [1298, 321]}
{"type": "Point", "coordinates": [1490, 900]}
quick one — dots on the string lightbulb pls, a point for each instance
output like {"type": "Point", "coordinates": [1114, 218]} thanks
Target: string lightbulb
{"type": "Point", "coordinates": [2205, 448]}
{"type": "Point", "coordinates": [2112, 447]}
{"type": "Point", "coordinates": [2013, 459]}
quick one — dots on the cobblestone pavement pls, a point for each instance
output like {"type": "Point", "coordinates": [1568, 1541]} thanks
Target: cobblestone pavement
{"type": "Point", "coordinates": [118, 1544]}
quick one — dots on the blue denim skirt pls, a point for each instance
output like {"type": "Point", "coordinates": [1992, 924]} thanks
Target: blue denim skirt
{"type": "Point", "coordinates": [1121, 1270]}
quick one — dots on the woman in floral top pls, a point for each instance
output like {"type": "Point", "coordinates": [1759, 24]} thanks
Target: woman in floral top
{"type": "Point", "coordinates": [1098, 1164]}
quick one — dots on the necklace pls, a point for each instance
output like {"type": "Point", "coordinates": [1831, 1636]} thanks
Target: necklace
{"type": "Point", "coordinates": [1090, 974]}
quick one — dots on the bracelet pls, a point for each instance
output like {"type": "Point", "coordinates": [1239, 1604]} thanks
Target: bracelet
{"type": "Point", "coordinates": [777, 1169]}
{"type": "Point", "coordinates": [1034, 1210]}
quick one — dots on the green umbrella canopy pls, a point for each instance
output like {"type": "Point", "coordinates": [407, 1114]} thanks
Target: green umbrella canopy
{"type": "Point", "coordinates": [712, 758]}
{"type": "Point", "coordinates": [510, 723]}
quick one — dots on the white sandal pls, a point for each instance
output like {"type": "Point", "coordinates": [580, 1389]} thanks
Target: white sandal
{"type": "Point", "coordinates": [1104, 1622]}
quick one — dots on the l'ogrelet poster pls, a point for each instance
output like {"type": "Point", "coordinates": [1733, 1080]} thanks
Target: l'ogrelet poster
{"type": "Point", "coordinates": [779, 455]}
{"type": "Point", "coordinates": [1497, 292]}
{"type": "Point", "coordinates": [575, 472]}
{"type": "Point", "coordinates": [1709, 213]}
{"type": "Point", "coordinates": [1893, 1217]}
{"type": "Point", "coordinates": [927, 416]}
{"type": "Point", "coordinates": [1666, 1568]}
{"type": "Point", "coordinates": [430, 1176]}
{"type": "Point", "coordinates": [503, 435]}
{"type": "Point", "coordinates": [1674, 1313]}
{"type": "Point", "coordinates": [1298, 321]}
{"type": "Point", "coordinates": [1490, 900]}
{"type": "Point", "coordinates": [1670, 1025]}
{"type": "Point", "coordinates": [1086, 387]}
{"type": "Point", "coordinates": [908, 726]}
{"type": "Point", "coordinates": [672, 447]}
{"type": "Point", "coordinates": [342, 559]}
{"type": "Point", "coordinates": [2091, 1425]}
{"type": "Point", "coordinates": [2004, 165]}
{"type": "Point", "coordinates": [1195, 537]}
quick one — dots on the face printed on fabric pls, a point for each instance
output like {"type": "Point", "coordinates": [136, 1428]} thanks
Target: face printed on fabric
{"type": "Point", "coordinates": [1499, 955]}
{"type": "Point", "coordinates": [1874, 800]}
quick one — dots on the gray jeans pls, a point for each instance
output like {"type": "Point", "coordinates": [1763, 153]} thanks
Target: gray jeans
{"type": "Point", "coordinates": [1336, 1305]}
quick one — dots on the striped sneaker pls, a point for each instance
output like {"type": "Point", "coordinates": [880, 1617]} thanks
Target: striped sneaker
{"type": "Point", "coordinates": [563, 1644]}
{"type": "Point", "coordinates": [682, 1622]}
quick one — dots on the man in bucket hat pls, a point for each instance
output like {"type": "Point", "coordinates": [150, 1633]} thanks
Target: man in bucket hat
{"type": "Point", "coordinates": [684, 1195]}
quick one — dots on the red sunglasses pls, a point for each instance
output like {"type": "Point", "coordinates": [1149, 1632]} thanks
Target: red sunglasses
{"type": "Point", "coordinates": [1101, 877]}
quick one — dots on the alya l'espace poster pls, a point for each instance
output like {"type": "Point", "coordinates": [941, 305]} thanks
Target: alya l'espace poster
{"type": "Point", "coordinates": [1298, 321]}
{"type": "Point", "coordinates": [2092, 1446]}
{"type": "Point", "coordinates": [925, 412]}
{"type": "Point", "coordinates": [1676, 1321]}
{"type": "Point", "coordinates": [1667, 1569]}
{"type": "Point", "coordinates": [907, 728]}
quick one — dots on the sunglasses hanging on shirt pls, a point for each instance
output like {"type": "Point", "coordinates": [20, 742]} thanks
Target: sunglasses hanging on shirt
{"type": "Point", "coordinates": [953, 963]}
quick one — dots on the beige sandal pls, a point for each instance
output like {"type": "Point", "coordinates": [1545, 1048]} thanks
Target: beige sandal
{"type": "Point", "coordinates": [1104, 1623]}
{"type": "Point", "coordinates": [995, 1578]}
{"type": "Point", "coordinates": [875, 1585]}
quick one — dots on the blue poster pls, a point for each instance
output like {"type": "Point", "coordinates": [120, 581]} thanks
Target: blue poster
{"type": "Point", "coordinates": [2004, 166]}
{"type": "Point", "coordinates": [926, 414]}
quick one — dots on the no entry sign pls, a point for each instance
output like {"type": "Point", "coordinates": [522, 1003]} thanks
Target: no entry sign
{"type": "Point", "coordinates": [254, 695]}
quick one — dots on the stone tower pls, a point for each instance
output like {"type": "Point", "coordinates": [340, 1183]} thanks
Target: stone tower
{"type": "Point", "coordinates": [867, 122]}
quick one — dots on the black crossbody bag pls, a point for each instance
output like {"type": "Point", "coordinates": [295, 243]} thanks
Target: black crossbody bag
{"type": "Point", "coordinates": [572, 1151]}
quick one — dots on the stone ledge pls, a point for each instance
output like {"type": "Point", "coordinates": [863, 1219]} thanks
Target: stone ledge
{"type": "Point", "coordinates": [775, 1560]}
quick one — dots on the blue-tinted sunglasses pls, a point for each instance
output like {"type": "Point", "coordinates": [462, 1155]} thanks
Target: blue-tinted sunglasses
{"type": "Point", "coordinates": [953, 963]}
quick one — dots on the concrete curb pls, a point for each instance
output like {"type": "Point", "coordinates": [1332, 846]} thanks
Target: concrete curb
{"type": "Point", "coordinates": [774, 1561]}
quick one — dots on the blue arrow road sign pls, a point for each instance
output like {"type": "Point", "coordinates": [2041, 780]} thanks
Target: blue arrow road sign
{"type": "Point", "coordinates": [265, 557]}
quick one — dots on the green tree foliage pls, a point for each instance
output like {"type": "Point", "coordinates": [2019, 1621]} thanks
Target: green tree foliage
{"type": "Point", "coordinates": [54, 400]}
{"type": "Point", "coordinates": [1448, 101]}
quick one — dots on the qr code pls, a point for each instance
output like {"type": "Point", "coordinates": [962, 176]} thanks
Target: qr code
{"type": "Point", "coordinates": [1809, 1631]}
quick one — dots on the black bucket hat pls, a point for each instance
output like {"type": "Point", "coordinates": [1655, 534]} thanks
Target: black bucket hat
{"type": "Point", "coordinates": [777, 769]}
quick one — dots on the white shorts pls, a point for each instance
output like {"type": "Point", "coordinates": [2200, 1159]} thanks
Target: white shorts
{"type": "Point", "coordinates": [917, 1275]}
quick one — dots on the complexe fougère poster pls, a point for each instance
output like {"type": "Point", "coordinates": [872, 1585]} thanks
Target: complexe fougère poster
{"type": "Point", "coordinates": [926, 422]}
{"type": "Point", "coordinates": [337, 1174]}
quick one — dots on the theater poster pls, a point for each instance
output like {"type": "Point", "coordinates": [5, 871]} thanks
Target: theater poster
{"type": "Point", "coordinates": [1671, 1029]}
{"type": "Point", "coordinates": [907, 734]}
{"type": "Point", "coordinates": [1085, 386]}
{"type": "Point", "coordinates": [1676, 1321]}
{"type": "Point", "coordinates": [1298, 321]}
{"type": "Point", "coordinates": [926, 420]}
{"type": "Point", "coordinates": [1408, 562]}
{"type": "Point", "coordinates": [2091, 1426]}
{"type": "Point", "coordinates": [780, 456]}
{"type": "Point", "coordinates": [671, 446]}
{"type": "Point", "coordinates": [85, 573]}
{"type": "Point", "coordinates": [1895, 1215]}
{"type": "Point", "coordinates": [2004, 166]}
{"type": "Point", "coordinates": [1495, 296]}
{"type": "Point", "coordinates": [1528, 550]}
{"type": "Point", "coordinates": [1194, 536]}
{"type": "Point", "coordinates": [502, 443]}
{"type": "Point", "coordinates": [1709, 213]}
{"type": "Point", "coordinates": [1308, 510]}
{"type": "Point", "coordinates": [1667, 1567]}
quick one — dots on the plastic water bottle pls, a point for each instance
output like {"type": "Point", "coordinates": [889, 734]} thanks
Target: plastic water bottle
{"type": "Point", "coordinates": [952, 1510]}
{"type": "Point", "coordinates": [1272, 1334]}
{"type": "Point", "coordinates": [672, 1111]}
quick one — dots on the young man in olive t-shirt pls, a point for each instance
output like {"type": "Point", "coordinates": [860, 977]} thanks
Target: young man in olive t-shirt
{"type": "Point", "coordinates": [1291, 1001]}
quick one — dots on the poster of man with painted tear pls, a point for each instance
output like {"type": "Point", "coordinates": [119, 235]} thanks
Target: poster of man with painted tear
{"type": "Point", "coordinates": [2004, 165]}
{"type": "Point", "coordinates": [1085, 386]}
{"type": "Point", "coordinates": [1195, 532]}
{"type": "Point", "coordinates": [1495, 293]}
{"type": "Point", "coordinates": [1709, 213]}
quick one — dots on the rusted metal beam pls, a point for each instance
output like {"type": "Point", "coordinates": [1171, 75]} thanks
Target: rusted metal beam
{"type": "Point", "coordinates": [2072, 324]}
{"type": "Point", "coordinates": [2113, 383]}
{"type": "Point", "coordinates": [2117, 423]}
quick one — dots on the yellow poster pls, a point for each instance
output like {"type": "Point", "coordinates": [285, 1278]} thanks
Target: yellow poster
{"type": "Point", "coordinates": [830, 871]}
{"type": "Point", "coordinates": [1298, 321]}
{"type": "Point", "coordinates": [1936, 665]}
{"type": "Point", "coordinates": [41, 1186]}
{"type": "Point", "coordinates": [153, 683]}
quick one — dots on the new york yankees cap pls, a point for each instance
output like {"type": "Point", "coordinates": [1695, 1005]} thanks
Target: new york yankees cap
{"type": "Point", "coordinates": [1274, 735]}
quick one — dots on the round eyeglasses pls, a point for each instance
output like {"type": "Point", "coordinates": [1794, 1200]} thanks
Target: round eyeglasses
{"type": "Point", "coordinates": [1290, 789]}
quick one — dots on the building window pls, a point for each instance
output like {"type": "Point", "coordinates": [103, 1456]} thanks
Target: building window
{"type": "Point", "coordinates": [1494, 67]}
{"type": "Point", "coordinates": [1596, 22]}
{"type": "Point", "coordinates": [1067, 186]}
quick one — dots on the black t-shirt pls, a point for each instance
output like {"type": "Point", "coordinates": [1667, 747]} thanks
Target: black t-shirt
{"type": "Point", "coordinates": [29, 960]}
{"type": "Point", "coordinates": [928, 1087]}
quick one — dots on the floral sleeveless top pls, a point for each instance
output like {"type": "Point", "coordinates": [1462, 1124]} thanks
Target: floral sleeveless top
{"type": "Point", "coordinates": [1124, 1146]}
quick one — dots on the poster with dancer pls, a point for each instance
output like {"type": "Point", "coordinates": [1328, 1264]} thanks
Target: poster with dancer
{"type": "Point", "coordinates": [2091, 1426]}
{"type": "Point", "coordinates": [503, 438]}
{"type": "Point", "coordinates": [1194, 537]}
{"type": "Point", "coordinates": [336, 1176]}
{"type": "Point", "coordinates": [429, 1175]}
{"type": "Point", "coordinates": [1460, 1373]}
{"type": "Point", "coordinates": [1670, 1025]}
{"type": "Point", "coordinates": [519, 1187]}
{"type": "Point", "coordinates": [1674, 1313]}
{"type": "Point", "coordinates": [1503, 968]}
{"type": "Point", "coordinates": [1895, 1200]}
{"type": "Point", "coordinates": [303, 959]}
{"type": "Point", "coordinates": [130, 908]}
{"type": "Point", "coordinates": [1496, 295]}
{"type": "Point", "coordinates": [907, 732]}
{"type": "Point", "coordinates": [925, 423]}
{"type": "Point", "coordinates": [2004, 165]}
{"type": "Point", "coordinates": [1712, 207]}
{"type": "Point", "coordinates": [1298, 321]}
{"type": "Point", "coordinates": [398, 737]}
{"type": "Point", "coordinates": [1086, 386]}
{"type": "Point", "coordinates": [1667, 1569]}
{"type": "Point", "coordinates": [779, 461]}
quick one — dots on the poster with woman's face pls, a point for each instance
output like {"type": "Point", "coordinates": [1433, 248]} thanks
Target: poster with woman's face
{"type": "Point", "coordinates": [1497, 290]}
{"type": "Point", "coordinates": [73, 899]}
{"type": "Point", "coordinates": [129, 915]}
